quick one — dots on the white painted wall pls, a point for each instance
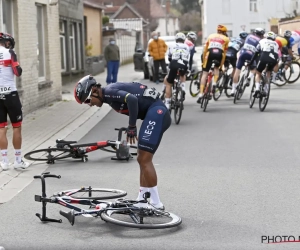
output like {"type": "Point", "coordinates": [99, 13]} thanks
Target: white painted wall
{"type": "Point", "coordinates": [235, 13]}
{"type": "Point", "coordinates": [172, 26]}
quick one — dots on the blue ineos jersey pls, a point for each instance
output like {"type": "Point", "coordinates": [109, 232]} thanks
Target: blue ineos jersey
{"type": "Point", "coordinates": [234, 47]}
{"type": "Point", "coordinates": [140, 102]}
{"type": "Point", "coordinates": [115, 95]}
{"type": "Point", "coordinates": [250, 44]}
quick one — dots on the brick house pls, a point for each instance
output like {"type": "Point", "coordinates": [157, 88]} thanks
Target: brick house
{"type": "Point", "coordinates": [34, 25]}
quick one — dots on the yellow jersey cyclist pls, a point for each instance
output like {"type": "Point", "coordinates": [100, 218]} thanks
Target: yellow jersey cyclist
{"type": "Point", "coordinates": [215, 49]}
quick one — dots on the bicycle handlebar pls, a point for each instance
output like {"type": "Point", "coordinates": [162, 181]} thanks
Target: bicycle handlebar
{"type": "Point", "coordinates": [46, 175]}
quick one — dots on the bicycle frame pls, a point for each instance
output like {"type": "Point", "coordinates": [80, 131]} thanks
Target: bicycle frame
{"type": "Point", "coordinates": [65, 200]}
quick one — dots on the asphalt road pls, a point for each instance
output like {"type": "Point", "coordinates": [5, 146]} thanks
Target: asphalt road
{"type": "Point", "coordinates": [231, 173]}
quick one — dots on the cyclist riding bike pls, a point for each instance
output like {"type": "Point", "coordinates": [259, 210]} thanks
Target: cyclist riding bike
{"type": "Point", "coordinates": [190, 40]}
{"type": "Point", "coordinates": [234, 47]}
{"type": "Point", "coordinates": [246, 53]}
{"type": "Point", "coordinates": [285, 48]}
{"type": "Point", "coordinates": [268, 50]}
{"type": "Point", "coordinates": [138, 102]}
{"type": "Point", "coordinates": [178, 55]}
{"type": "Point", "coordinates": [215, 49]}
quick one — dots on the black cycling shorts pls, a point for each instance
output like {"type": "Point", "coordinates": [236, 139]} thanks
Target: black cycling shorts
{"type": "Point", "coordinates": [213, 54]}
{"type": "Point", "coordinates": [156, 122]}
{"type": "Point", "coordinates": [174, 66]}
{"type": "Point", "coordinates": [10, 104]}
{"type": "Point", "coordinates": [230, 60]}
{"type": "Point", "coordinates": [265, 60]}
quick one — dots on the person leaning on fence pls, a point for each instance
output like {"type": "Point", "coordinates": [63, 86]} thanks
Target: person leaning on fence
{"type": "Point", "coordinates": [112, 57]}
{"type": "Point", "coordinates": [157, 49]}
{"type": "Point", "coordinates": [10, 103]}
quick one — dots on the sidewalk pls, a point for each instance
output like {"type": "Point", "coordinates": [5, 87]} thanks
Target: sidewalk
{"type": "Point", "coordinates": [41, 128]}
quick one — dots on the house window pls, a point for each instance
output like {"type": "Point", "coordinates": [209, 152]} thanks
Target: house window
{"type": "Point", "coordinates": [226, 6]}
{"type": "Point", "coordinates": [72, 45]}
{"type": "Point", "coordinates": [41, 42]}
{"type": "Point", "coordinates": [62, 38]}
{"type": "Point", "coordinates": [253, 5]}
{"type": "Point", "coordinates": [7, 16]}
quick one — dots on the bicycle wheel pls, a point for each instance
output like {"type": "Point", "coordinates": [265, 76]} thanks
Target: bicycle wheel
{"type": "Point", "coordinates": [142, 218]}
{"type": "Point", "coordinates": [239, 89]}
{"type": "Point", "coordinates": [132, 150]}
{"type": "Point", "coordinates": [228, 80]}
{"type": "Point", "coordinates": [292, 73]}
{"type": "Point", "coordinates": [252, 99]}
{"type": "Point", "coordinates": [195, 84]}
{"type": "Point", "coordinates": [178, 105]}
{"type": "Point", "coordinates": [263, 100]}
{"type": "Point", "coordinates": [49, 154]}
{"type": "Point", "coordinates": [218, 90]}
{"type": "Point", "coordinates": [207, 96]}
{"type": "Point", "coordinates": [278, 81]}
{"type": "Point", "coordinates": [94, 193]}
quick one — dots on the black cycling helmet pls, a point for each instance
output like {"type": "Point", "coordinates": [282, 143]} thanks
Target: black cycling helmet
{"type": "Point", "coordinates": [287, 34]}
{"type": "Point", "coordinates": [83, 88]}
{"type": "Point", "coordinates": [243, 34]}
{"type": "Point", "coordinates": [7, 38]}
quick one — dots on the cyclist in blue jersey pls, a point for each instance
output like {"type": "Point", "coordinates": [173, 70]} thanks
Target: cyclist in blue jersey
{"type": "Point", "coordinates": [138, 102]}
{"type": "Point", "coordinates": [246, 53]}
{"type": "Point", "coordinates": [234, 47]}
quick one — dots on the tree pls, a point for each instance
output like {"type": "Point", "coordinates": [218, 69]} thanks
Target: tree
{"type": "Point", "coordinates": [189, 5]}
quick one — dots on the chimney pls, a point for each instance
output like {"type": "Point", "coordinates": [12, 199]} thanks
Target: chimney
{"type": "Point", "coordinates": [168, 4]}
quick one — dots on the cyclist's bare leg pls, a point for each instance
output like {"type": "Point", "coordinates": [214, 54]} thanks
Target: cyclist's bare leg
{"type": "Point", "coordinates": [202, 83]}
{"type": "Point", "coordinates": [148, 177]}
{"type": "Point", "coordinates": [168, 93]}
{"type": "Point", "coordinates": [3, 144]}
{"type": "Point", "coordinates": [235, 80]}
{"type": "Point", "coordinates": [257, 80]}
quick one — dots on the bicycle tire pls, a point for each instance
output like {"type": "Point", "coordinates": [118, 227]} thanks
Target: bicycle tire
{"type": "Point", "coordinates": [263, 101]}
{"type": "Point", "coordinates": [280, 83]}
{"type": "Point", "coordinates": [218, 90]}
{"type": "Point", "coordinates": [178, 105]}
{"type": "Point", "coordinates": [227, 86]}
{"type": "Point", "coordinates": [107, 193]}
{"type": "Point", "coordinates": [109, 213]}
{"type": "Point", "coordinates": [114, 149]}
{"type": "Point", "coordinates": [252, 99]}
{"type": "Point", "coordinates": [289, 81]}
{"type": "Point", "coordinates": [195, 82]}
{"type": "Point", "coordinates": [207, 96]}
{"type": "Point", "coordinates": [41, 154]}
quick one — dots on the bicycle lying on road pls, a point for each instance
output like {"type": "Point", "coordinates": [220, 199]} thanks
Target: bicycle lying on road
{"type": "Point", "coordinates": [121, 212]}
{"type": "Point", "coordinates": [70, 149]}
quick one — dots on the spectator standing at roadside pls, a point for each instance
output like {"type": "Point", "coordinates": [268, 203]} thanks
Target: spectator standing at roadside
{"type": "Point", "coordinates": [112, 57]}
{"type": "Point", "coordinates": [157, 49]}
{"type": "Point", "coordinates": [10, 103]}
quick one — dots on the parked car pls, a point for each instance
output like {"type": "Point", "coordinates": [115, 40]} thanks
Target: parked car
{"type": "Point", "coordinates": [144, 63]}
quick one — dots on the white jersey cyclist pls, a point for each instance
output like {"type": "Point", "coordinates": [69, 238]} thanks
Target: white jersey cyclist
{"type": "Point", "coordinates": [9, 67]}
{"type": "Point", "coordinates": [180, 52]}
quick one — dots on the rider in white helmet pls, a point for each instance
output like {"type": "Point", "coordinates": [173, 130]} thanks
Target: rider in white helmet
{"type": "Point", "coordinates": [178, 55]}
